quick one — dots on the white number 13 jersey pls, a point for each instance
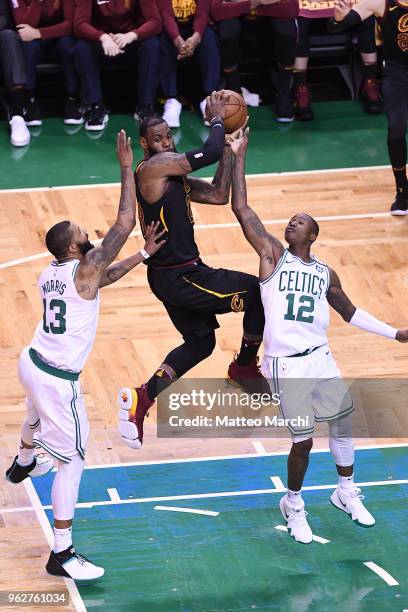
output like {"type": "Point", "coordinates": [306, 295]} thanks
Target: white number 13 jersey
{"type": "Point", "coordinates": [295, 305]}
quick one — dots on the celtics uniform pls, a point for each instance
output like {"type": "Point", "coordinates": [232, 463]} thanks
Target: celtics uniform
{"type": "Point", "coordinates": [295, 344]}
{"type": "Point", "coordinates": [49, 368]}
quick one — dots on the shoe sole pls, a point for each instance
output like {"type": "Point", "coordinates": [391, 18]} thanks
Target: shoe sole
{"type": "Point", "coordinates": [127, 428]}
{"type": "Point", "coordinates": [34, 123]}
{"type": "Point", "coordinates": [96, 128]}
{"type": "Point", "coordinates": [284, 119]}
{"type": "Point", "coordinates": [399, 213]}
{"type": "Point", "coordinates": [281, 502]}
{"type": "Point", "coordinates": [23, 143]}
{"type": "Point", "coordinates": [40, 475]}
{"type": "Point", "coordinates": [340, 507]}
{"type": "Point", "coordinates": [83, 581]}
{"type": "Point", "coordinates": [171, 124]}
{"type": "Point", "coordinates": [74, 121]}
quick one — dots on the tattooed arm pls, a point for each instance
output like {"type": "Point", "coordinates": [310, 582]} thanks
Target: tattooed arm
{"type": "Point", "coordinates": [96, 260]}
{"type": "Point", "coordinates": [152, 245]}
{"type": "Point", "coordinates": [268, 247]}
{"type": "Point", "coordinates": [338, 299]}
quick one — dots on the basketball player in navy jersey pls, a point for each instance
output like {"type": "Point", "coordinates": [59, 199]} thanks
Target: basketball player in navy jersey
{"type": "Point", "coordinates": [192, 292]}
{"type": "Point", "coordinates": [392, 18]}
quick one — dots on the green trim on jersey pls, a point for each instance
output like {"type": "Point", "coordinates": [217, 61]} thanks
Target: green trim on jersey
{"type": "Point", "coordinates": [49, 369]}
{"type": "Point", "coordinates": [278, 267]}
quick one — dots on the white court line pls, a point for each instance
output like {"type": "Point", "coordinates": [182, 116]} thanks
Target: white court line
{"type": "Point", "coordinates": [114, 495]}
{"type": "Point", "coordinates": [222, 457]}
{"type": "Point", "coordinates": [259, 447]}
{"type": "Point", "coordinates": [144, 500]}
{"type": "Point", "coordinates": [278, 484]}
{"type": "Point", "coordinates": [381, 573]}
{"type": "Point", "coordinates": [76, 598]}
{"type": "Point", "coordinates": [316, 538]}
{"type": "Point", "coordinates": [190, 510]}
{"type": "Point", "coordinates": [208, 226]}
{"type": "Point", "coordinates": [207, 178]}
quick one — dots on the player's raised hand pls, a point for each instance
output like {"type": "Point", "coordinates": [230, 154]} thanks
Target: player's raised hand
{"type": "Point", "coordinates": [239, 145]}
{"type": "Point", "coordinates": [215, 105]}
{"type": "Point", "coordinates": [237, 134]}
{"type": "Point", "coordinates": [402, 335]}
{"type": "Point", "coordinates": [124, 149]}
{"type": "Point", "coordinates": [341, 9]}
{"type": "Point", "coordinates": [153, 242]}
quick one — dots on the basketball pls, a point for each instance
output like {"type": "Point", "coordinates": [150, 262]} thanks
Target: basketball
{"type": "Point", "coordinates": [235, 111]}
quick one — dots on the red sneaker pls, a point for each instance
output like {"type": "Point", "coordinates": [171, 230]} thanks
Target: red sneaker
{"type": "Point", "coordinates": [371, 96]}
{"type": "Point", "coordinates": [249, 377]}
{"type": "Point", "coordinates": [134, 404]}
{"type": "Point", "coordinates": [303, 106]}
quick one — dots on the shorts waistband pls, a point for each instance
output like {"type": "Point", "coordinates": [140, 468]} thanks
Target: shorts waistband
{"type": "Point", "coordinates": [307, 351]}
{"type": "Point", "coordinates": [180, 265]}
{"type": "Point", "coordinates": [36, 359]}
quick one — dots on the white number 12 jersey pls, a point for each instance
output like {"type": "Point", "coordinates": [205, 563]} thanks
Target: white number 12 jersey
{"type": "Point", "coordinates": [295, 305]}
{"type": "Point", "coordinates": [65, 336]}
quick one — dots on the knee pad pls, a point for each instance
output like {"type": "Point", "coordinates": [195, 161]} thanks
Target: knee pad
{"type": "Point", "coordinates": [341, 441]}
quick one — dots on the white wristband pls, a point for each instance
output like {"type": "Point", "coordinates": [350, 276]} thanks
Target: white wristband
{"type": "Point", "coordinates": [144, 253]}
{"type": "Point", "coordinates": [364, 320]}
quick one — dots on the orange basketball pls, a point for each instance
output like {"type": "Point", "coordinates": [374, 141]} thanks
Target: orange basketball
{"type": "Point", "coordinates": [235, 111]}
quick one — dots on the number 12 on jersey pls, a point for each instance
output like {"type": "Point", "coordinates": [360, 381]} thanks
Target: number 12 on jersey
{"type": "Point", "coordinates": [59, 309]}
{"type": "Point", "coordinates": [305, 310]}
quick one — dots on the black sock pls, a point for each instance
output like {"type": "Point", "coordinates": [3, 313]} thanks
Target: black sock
{"type": "Point", "coordinates": [401, 181]}
{"type": "Point", "coordinates": [232, 80]}
{"type": "Point", "coordinates": [248, 352]}
{"type": "Point", "coordinates": [17, 99]}
{"type": "Point", "coordinates": [370, 71]}
{"type": "Point", "coordinates": [299, 77]}
{"type": "Point", "coordinates": [397, 150]}
{"type": "Point", "coordinates": [160, 380]}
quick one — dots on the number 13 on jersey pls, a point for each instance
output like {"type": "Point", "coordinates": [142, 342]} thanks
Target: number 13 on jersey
{"type": "Point", "coordinates": [54, 320]}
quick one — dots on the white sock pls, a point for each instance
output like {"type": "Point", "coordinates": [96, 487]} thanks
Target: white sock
{"type": "Point", "coordinates": [346, 482]}
{"type": "Point", "coordinates": [62, 539]}
{"type": "Point", "coordinates": [25, 456]}
{"type": "Point", "coordinates": [295, 497]}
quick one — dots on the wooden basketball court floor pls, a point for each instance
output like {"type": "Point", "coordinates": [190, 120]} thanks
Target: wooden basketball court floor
{"type": "Point", "coordinates": [358, 238]}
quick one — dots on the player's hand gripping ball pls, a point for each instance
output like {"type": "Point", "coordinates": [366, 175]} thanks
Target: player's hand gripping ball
{"type": "Point", "coordinates": [236, 111]}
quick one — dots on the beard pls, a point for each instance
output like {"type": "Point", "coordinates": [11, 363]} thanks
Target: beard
{"type": "Point", "coordinates": [84, 247]}
{"type": "Point", "coordinates": [152, 152]}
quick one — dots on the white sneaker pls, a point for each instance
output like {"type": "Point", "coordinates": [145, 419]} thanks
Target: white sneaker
{"type": "Point", "coordinates": [43, 465]}
{"type": "Point", "coordinates": [251, 99]}
{"type": "Point", "coordinates": [202, 109]}
{"type": "Point", "coordinates": [350, 501]}
{"type": "Point", "coordinates": [295, 518]}
{"type": "Point", "coordinates": [20, 135]}
{"type": "Point", "coordinates": [172, 111]}
{"type": "Point", "coordinates": [40, 465]}
{"type": "Point", "coordinates": [70, 564]}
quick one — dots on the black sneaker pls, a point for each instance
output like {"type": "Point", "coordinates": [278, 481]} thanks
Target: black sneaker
{"type": "Point", "coordinates": [97, 118]}
{"type": "Point", "coordinates": [32, 115]}
{"type": "Point", "coordinates": [70, 564]}
{"type": "Point", "coordinates": [284, 107]}
{"type": "Point", "coordinates": [40, 466]}
{"type": "Point", "coordinates": [142, 112]}
{"type": "Point", "coordinates": [399, 207]}
{"type": "Point", "coordinates": [72, 113]}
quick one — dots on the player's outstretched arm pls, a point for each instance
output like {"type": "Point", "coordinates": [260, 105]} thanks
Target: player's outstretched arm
{"type": "Point", "coordinates": [152, 245]}
{"type": "Point", "coordinates": [163, 165]}
{"type": "Point", "coordinates": [347, 16]}
{"type": "Point", "coordinates": [357, 316]}
{"type": "Point", "coordinates": [218, 191]}
{"type": "Point", "coordinates": [268, 247]}
{"type": "Point", "coordinates": [96, 260]}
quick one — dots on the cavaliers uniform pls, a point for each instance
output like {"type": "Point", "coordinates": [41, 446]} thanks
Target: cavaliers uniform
{"type": "Point", "coordinates": [192, 292]}
{"type": "Point", "coordinates": [296, 347]}
{"type": "Point", "coordinates": [49, 368]}
{"type": "Point", "coordinates": [393, 29]}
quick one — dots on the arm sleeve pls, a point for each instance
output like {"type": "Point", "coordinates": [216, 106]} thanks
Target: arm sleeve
{"type": "Point", "coordinates": [30, 15]}
{"type": "Point", "coordinates": [64, 27]}
{"type": "Point", "coordinates": [169, 21]}
{"type": "Point", "coordinates": [151, 24]}
{"type": "Point", "coordinates": [350, 21]}
{"type": "Point", "coordinates": [221, 10]}
{"type": "Point", "coordinates": [82, 21]}
{"type": "Point", "coordinates": [202, 16]}
{"type": "Point", "coordinates": [212, 150]}
{"type": "Point", "coordinates": [364, 320]}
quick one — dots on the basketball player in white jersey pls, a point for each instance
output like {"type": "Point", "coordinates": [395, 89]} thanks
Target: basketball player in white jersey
{"type": "Point", "coordinates": [50, 366]}
{"type": "Point", "coordinates": [296, 291]}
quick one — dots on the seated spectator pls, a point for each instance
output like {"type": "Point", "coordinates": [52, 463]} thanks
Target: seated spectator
{"type": "Point", "coordinates": [186, 32]}
{"type": "Point", "coordinates": [280, 17]}
{"type": "Point", "coordinates": [117, 32]}
{"type": "Point", "coordinates": [12, 68]}
{"type": "Point", "coordinates": [45, 27]}
{"type": "Point", "coordinates": [365, 31]}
